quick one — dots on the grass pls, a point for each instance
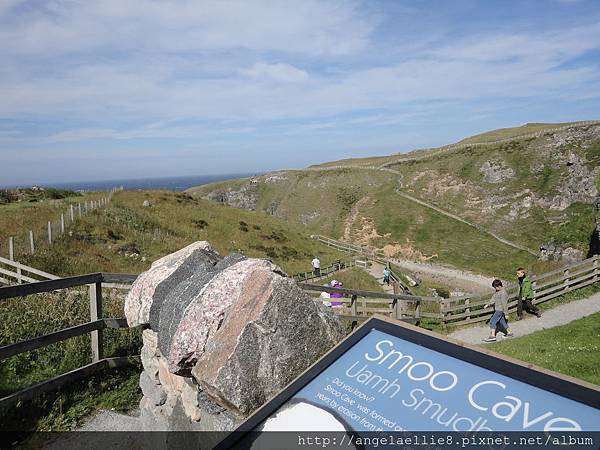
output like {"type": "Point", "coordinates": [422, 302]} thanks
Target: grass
{"type": "Point", "coordinates": [454, 181]}
{"type": "Point", "coordinates": [127, 236]}
{"type": "Point", "coordinates": [515, 132]}
{"type": "Point", "coordinates": [453, 242]}
{"type": "Point", "coordinates": [17, 218]}
{"type": "Point", "coordinates": [355, 278]}
{"type": "Point", "coordinates": [572, 349]}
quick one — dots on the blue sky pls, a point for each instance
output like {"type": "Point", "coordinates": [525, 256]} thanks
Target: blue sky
{"type": "Point", "coordinates": [93, 90]}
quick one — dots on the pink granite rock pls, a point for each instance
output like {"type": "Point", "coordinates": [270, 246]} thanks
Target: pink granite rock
{"type": "Point", "coordinates": [205, 313]}
{"type": "Point", "coordinates": [140, 297]}
{"type": "Point", "coordinates": [268, 337]}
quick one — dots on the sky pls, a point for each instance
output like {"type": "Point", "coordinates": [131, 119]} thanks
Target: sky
{"type": "Point", "coordinates": [113, 89]}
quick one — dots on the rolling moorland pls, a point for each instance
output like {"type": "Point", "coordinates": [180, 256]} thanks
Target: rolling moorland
{"type": "Point", "coordinates": [536, 190]}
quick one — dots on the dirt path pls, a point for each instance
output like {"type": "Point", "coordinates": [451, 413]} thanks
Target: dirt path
{"type": "Point", "coordinates": [561, 315]}
{"type": "Point", "coordinates": [463, 280]}
{"type": "Point", "coordinates": [376, 271]}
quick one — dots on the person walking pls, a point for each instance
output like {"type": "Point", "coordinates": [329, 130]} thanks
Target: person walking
{"type": "Point", "coordinates": [525, 295]}
{"type": "Point", "coordinates": [316, 264]}
{"type": "Point", "coordinates": [499, 321]}
{"type": "Point", "coordinates": [386, 275]}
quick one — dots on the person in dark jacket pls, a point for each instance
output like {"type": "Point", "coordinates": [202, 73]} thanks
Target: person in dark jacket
{"type": "Point", "coordinates": [525, 295]}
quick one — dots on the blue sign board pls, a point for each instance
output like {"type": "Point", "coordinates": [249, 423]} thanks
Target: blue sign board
{"type": "Point", "coordinates": [391, 377]}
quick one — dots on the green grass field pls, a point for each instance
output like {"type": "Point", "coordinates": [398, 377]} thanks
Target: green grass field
{"type": "Point", "coordinates": [572, 349]}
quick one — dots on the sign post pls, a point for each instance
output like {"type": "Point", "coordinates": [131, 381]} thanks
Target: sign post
{"type": "Point", "coordinates": [392, 377]}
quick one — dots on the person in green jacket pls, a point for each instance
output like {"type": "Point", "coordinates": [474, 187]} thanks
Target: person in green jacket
{"type": "Point", "coordinates": [525, 295]}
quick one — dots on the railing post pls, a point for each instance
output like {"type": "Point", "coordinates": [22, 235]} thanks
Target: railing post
{"type": "Point", "coordinates": [50, 232]}
{"type": "Point", "coordinates": [31, 242]}
{"type": "Point", "coordinates": [11, 248]}
{"type": "Point", "coordinates": [418, 309]}
{"type": "Point", "coordinates": [95, 314]}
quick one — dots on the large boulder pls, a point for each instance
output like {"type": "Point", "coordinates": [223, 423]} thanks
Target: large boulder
{"type": "Point", "coordinates": [142, 293]}
{"type": "Point", "coordinates": [270, 335]}
{"type": "Point", "coordinates": [224, 336]}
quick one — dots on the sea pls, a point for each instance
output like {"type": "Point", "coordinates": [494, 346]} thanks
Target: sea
{"type": "Point", "coordinates": [167, 183]}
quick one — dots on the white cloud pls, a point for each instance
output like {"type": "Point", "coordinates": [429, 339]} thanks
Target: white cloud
{"type": "Point", "coordinates": [279, 72]}
{"type": "Point", "coordinates": [67, 26]}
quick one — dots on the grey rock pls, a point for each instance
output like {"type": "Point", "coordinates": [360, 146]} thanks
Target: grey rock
{"type": "Point", "coordinates": [552, 252]}
{"type": "Point", "coordinates": [496, 171]}
{"type": "Point", "coordinates": [245, 197]}
{"type": "Point", "coordinates": [207, 303]}
{"type": "Point", "coordinates": [256, 351]}
{"type": "Point", "coordinates": [141, 295]}
{"type": "Point", "coordinates": [192, 288]}
{"type": "Point", "coordinates": [151, 390]}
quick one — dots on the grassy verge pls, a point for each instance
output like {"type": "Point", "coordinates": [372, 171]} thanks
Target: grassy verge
{"type": "Point", "coordinates": [355, 278]}
{"type": "Point", "coordinates": [572, 349]}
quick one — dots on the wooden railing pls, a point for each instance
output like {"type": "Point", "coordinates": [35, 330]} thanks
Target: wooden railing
{"type": "Point", "coordinates": [12, 272]}
{"type": "Point", "coordinates": [359, 305]}
{"type": "Point", "coordinates": [465, 310]}
{"type": "Point", "coordinates": [94, 327]}
{"type": "Point", "coordinates": [325, 271]}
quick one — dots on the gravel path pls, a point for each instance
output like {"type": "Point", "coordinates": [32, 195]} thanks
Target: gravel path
{"type": "Point", "coordinates": [462, 279]}
{"type": "Point", "coordinates": [376, 271]}
{"type": "Point", "coordinates": [561, 315]}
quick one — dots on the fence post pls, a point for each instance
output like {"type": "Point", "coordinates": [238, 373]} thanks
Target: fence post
{"type": "Point", "coordinates": [354, 305]}
{"type": "Point", "coordinates": [72, 214]}
{"type": "Point", "coordinates": [468, 310]}
{"type": "Point", "coordinates": [566, 282]}
{"type": "Point", "coordinates": [418, 310]}
{"type": "Point", "coordinates": [62, 224]}
{"type": "Point", "coordinates": [595, 265]}
{"type": "Point", "coordinates": [31, 243]}
{"type": "Point", "coordinates": [50, 232]}
{"type": "Point", "coordinates": [95, 314]}
{"type": "Point", "coordinates": [79, 208]}
{"type": "Point", "coordinates": [11, 248]}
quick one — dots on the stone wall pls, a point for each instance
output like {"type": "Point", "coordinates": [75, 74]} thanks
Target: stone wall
{"type": "Point", "coordinates": [222, 336]}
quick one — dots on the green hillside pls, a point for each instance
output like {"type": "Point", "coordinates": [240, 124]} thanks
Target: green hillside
{"type": "Point", "coordinates": [127, 236]}
{"type": "Point", "coordinates": [533, 191]}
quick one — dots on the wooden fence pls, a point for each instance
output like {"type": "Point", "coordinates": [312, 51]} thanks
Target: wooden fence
{"type": "Point", "coordinates": [325, 271]}
{"type": "Point", "coordinates": [29, 241]}
{"type": "Point", "coordinates": [465, 310]}
{"type": "Point", "coordinates": [456, 311]}
{"type": "Point", "coordinates": [12, 272]}
{"type": "Point", "coordinates": [94, 327]}
{"type": "Point", "coordinates": [359, 305]}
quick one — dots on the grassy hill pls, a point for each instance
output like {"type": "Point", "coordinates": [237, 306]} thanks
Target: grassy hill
{"type": "Point", "coordinates": [128, 236]}
{"type": "Point", "coordinates": [536, 190]}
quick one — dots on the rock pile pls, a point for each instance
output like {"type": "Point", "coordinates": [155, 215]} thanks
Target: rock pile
{"type": "Point", "coordinates": [223, 335]}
